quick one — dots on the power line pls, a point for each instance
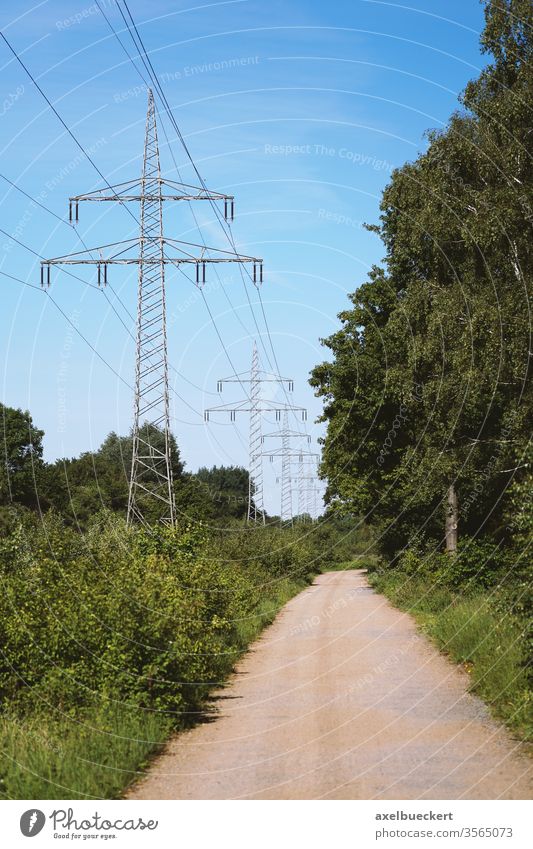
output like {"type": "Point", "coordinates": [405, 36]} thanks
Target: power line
{"type": "Point", "coordinates": [228, 232]}
{"type": "Point", "coordinates": [93, 348]}
{"type": "Point", "coordinates": [143, 55]}
{"type": "Point", "coordinates": [155, 82]}
{"type": "Point", "coordinates": [36, 202]}
{"type": "Point", "coordinates": [97, 288]}
{"type": "Point", "coordinates": [151, 73]}
{"type": "Point", "coordinates": [78, 331]}
{"type": "Point", "coordinates": [58, 116]}
{"type": "Point", "coordinates": [117, 296]}
{"type": "Point", "coordinates": [148, 66]}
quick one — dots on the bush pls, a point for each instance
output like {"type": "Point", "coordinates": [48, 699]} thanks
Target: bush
{"type": "Point", "coordinates": [112, 638]}
{"type": "Point", "coordinates": [478, 564]}
{"type": "Point", "coordinates": [154, 619]}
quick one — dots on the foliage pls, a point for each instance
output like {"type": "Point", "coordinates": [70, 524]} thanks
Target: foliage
{"type": "Point", "coordinates": [91, 756]}
{"type": "Point", "coordinates": [122, 614]}
{"type": "Point", "coordinates": [80, 487]}
{"type": "Point", "coordinates": [227, 489]}
{"type": "Point", "coordinates": [428, 383]}
{"type": "Point", "coordinates": [479, 564]}
{"type": "Point", "coordinates": [112, 638]}
{"type": "Point", "coordinates": [20, 456]}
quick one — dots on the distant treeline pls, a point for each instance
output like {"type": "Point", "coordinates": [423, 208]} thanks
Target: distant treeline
{"type": "Point", "coordinates": [82, 486]}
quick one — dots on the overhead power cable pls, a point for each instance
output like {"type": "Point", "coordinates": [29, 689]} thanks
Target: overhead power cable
{"type": "Point", "coordinates": [226, 227]}
{"type": "Point", "coordinates": [154, 81]}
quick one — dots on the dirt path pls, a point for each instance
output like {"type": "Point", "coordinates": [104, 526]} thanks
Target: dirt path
{"type": "Point", "coordinates": [341, 698]}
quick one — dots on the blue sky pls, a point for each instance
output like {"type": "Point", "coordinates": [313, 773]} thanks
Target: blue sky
{"type": "Point", "coordinates": [300, 109]}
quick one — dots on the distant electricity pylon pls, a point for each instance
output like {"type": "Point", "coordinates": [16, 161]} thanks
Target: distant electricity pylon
{"type": "Point", "coordinates": [256, 406]}
{"type": "Point", "coordinates": [308, 491]}
{"type": "Point", "coordinates": [303, 485]}
{"type": "Point", "coordinates": [287, 453]}
{"type": "Point", "coordinates": [151, 483]}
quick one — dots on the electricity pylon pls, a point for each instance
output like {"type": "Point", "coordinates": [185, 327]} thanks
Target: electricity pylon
{"type": "Point", "coordinates": [151, 484]}
{"type": "Point", "coordinates": [301, 497]}
{"type": "Point", "coordinates": [287, 452]}
{"type": "Point", "coordinates": [312, 492]}
{"type": "Point", "coordinates": [286, 489]}
{"type": "Point", "coordinates": [304, 489]}
{"type": "Point", "coordinates": [307, 492]}
{"type": "Point", "coordinates": [256, 506]}
{"type": "Point", "coordinates": [303, 485]}
{"type": "Point", "coordinates": [256, 406]}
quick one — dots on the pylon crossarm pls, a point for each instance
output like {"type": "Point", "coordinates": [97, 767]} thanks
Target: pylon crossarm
{"type": "Point", "coordinates": [237, 408]}
{"type": "Point", "coordinates": [80, 256]}
{"type": "Point", "coordinates": [280, 452]}
{"type": "Point", "coordinates": [264, 377]}
{"type": "Point", "coordinates": [116, 259]}
{"type": "Point", "coordinates": [292, 433]}
{"type": "Point", "coordinates": [232, 255]}
{"type": "Point", "coordinates": [125, 192]}
{"type": "Point", "coordinates": [157, 259]}
{"type": "Point", "coordinates": [260, 408]}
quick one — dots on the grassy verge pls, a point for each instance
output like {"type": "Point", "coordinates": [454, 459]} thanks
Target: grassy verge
{"type": "Point", "coordinates": [100, 751]}
{"type": "Point", "coordinates": [93, 756]}
{"type": "Point", "coordinates": [470, 629]}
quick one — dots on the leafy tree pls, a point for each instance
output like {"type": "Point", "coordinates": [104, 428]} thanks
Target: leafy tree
{"type": "Point", "coordinates": [80, 487]}
{"type": "Point", "coordinates": [226, 487]}
{"type": "Point", "coordinates": [427, 397]}
{"type": "Point", "coordinates": [20, 457]}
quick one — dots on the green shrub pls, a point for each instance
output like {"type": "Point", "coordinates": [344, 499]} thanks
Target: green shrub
{"type": "Point", "coordinates": [478, 564]}
{"type": "Point", "coordinates": [113, 637]}
{"type": "Point", "coordinates": [154, 619]}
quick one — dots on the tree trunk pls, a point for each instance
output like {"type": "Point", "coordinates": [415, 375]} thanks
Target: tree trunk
{"type": "Point", "coordinates": [452, 518]}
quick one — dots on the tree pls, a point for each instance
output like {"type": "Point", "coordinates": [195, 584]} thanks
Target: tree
{"type": "Point", "coordinates": [80, 487]}
{"type": "Point", "coordinates": [427, 397]}
{"type": "Point", "coordinates": [226, 487]}
{"type": "Point", "coordinates": [21, 453]}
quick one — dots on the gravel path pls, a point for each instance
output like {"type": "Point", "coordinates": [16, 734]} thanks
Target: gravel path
{"type": "Point", "coordinates": [342, 698]}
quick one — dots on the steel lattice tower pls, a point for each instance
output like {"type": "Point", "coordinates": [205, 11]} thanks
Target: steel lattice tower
{"type": "Point", "coordinates": [286, 488]}
{"type": "Point", "coordinates": [255, 406]}
{"type": "Point", "coordinates": [312, 506]}
{"type": "Point", "coordinates": [301, 493]}
{"type": "Point", "coordinates": [151, 469]}
{"type": "Point", "coordinates": [151, 487]}
{"type": "Point", "coordinates": [288, 453]}
{"type": "Point", "coordinates": [256, 509]}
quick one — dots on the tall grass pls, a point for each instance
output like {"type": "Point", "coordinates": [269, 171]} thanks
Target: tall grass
{"type": "Point", "coordinates": [471, 630]}
{"type": "Point", "coordinates": [91, 756]}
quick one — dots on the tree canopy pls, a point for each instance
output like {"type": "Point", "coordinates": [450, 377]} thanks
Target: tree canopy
{"type": "Point", "coordinates": [427, 389]}
{"type": "Point", "coordinates": [21, 452]}
{"type": "Point", "coordinates": [80, 487]}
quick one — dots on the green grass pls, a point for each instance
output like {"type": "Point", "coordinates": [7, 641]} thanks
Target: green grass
{"type": "Point", "coordinates": [93, 756]}
{"type": "Point", "coordinates": [488, 643]}
{"type": "Point", "coordinates": [279, 593]}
